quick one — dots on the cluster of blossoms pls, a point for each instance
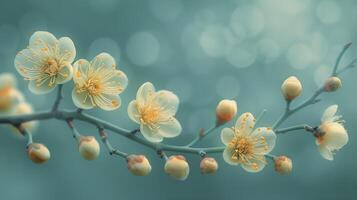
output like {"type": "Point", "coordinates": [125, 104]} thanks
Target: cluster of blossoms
{"type": "Point", "coordinates": [13, 102]}
{"type": "Point", "coordinates": [48, 62]}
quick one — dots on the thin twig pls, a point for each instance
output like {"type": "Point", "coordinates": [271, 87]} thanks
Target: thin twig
{"type": "Point", "coordinates": [111, 150]}
{"type": "Point", "coordinates": [294, 128]}
{"type": "Point", "coordinates": [201, 135]}
{"type": "Point", "coordinates": [58, 98]}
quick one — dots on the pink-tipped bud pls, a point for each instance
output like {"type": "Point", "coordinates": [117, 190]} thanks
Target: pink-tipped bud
{"type": "Point", "coordinates": [177, 167]}
{"type": "Point", "coordinates": [38, 153]}
{"type": "Point", "coordinates": [332, 84]}
{"type": "Point", "coordinates": [226, 110]}
{"type": "Point", "coordinates": [283, 165]}
{"type": "Point", "coordinates": [208, 165]}
{"type": "Point", "coordinates": [291, 88]}
{"type": "Point", "coordinates": [89, 147]}
{"type": "Point", "coordinates": [138, 165]}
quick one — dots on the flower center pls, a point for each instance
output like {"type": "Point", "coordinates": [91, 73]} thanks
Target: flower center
{"type": "Point", "coordinates": [51, 67]}
{"type": "Point", "coordinates": [149, 114]}
{"type": "Point", "coordinates": [241, 147]}
{"type": "Point", "coordinates": [93, 86]}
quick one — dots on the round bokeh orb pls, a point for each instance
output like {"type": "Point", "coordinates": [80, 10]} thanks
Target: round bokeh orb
{"type": "Point", "coordinates": [143, 48]}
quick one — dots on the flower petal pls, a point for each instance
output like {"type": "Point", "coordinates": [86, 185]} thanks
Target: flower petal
{"type": "Point", "coordinates": [227, 157]}
{"type": "Point", "coordinates": [133, 112]}
{"type": "Point", "coordinates": [167, 100]}
{"type": "Point", "coordinates": [67, 51]}
{"type": "Point", "coordinates": [103, 60]}
{"type": "Point", "coordinates": [27, 63]}
{"type": "Point", "coordinates": [44, 41]}
{"type": "Point", "coordinates": [335, 136]}
{"type": "Point", "coordinates": [116, 84]}
{"type": "Point", "coordinates": [81, 69]}
{"type": "Point", "coordinates": [149, 134]}
{"type": "Point", "coordinates": [326, 153]}
{"type": "Point", "coordinates": [227, 135]}
{"type": "Point", "coordinates": [64, 74]}
{"type": "Point", "coordinates": [245, 123]}
{"type": "Point", "coordinates": [145, 91]}
{"type": "Point", "coordinates": [107, 102]}
{"type": "Point", "coordinates": [82, 99]}
{"type": "Point", "coordinates": [265, 138]}
{"type": "Point", "coordinates": [329, 113]}
{"type": "Point", "coordinates": [255, 165]}
{"type": "Point", "coordinates": [41, 88]}
{"type": "Point", "coordinates": [170, 128]}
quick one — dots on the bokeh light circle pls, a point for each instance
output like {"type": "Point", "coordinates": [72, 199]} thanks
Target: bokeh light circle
{"type": "Point", "coordinates": [104, 44]}
{"type": "Point", "coordinates": [143, 48]}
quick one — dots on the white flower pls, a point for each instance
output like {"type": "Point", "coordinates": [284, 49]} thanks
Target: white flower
{"type": "Point", "coordinates": [98, 83]}
{"type": "Point", "coordinates": [155, 112]}
{"type": "Point", "coordinates": [246, 146]}
{"type": "Point", "coordinates": [331, 136]}
{"type": "Point", "coordinates": [46, 62]}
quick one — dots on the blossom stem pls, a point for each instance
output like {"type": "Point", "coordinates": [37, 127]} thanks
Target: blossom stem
{"type": "Point", "coordinates": [294, 128]}
{"type": "Point", "coordinates": [344, 49]}
{"type": "Point", "coordinates": [202, 134]}
{"type": "Point", "coordinates": [76, 134]}
{"type": "Point", "coordinates": [111, 150]}
{"type": "Point", "coordinates": [58, 98]}
{"type": "Point", "coordinates": [350, 65]}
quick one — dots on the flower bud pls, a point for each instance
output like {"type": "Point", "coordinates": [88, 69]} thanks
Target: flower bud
{"type": "Point", "coordinates": [88, 147]}
{"type": "Point", "coordinates": [208, 165]}
{"type": "Point", "coordinates": [291, 88]}
{"type": "Point", "coordinates": [38, 153]}
{"type": "Point", "coordinates": [226, 110]}
{"type": "Point", "coordinates": [283, 165]}
{"type": "Point", "coordinates": [138, 165]}
{"type": "Point", "coordinates": [332, 84]}
{"type": "Point", "coordinates": [177, 167]}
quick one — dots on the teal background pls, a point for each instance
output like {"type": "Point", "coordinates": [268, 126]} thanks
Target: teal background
{"type": "Point", "coordinates": [203, 51]}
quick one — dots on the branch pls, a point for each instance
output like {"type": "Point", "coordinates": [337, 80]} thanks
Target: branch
{"type": "Point", "coordinates": [58, 98]}
{"type": "Point", "coordinates": [202, 134]}
{"type": "Point", "coordinates": [111, 150]}
{"type": "Point", "coordinates": [313, 99]}
{"type": "Point", "coordinates": [294, 128]}
{"type": "Point", "coordinates": [74, 115]}
{"type": "Point", "coordinates": [343, 51]}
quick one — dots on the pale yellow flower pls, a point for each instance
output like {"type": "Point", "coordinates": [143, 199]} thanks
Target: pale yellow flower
{"type": "Point", "coordinates": [155, 112]}
{"type": "Point", "coordinates": [98, 83]}
{"type": "Point", "coordinates": [246, 146]}
{"type": "Point", "coordinates": [46, 62]}
{"type": "Point", "coordinates": [331, 136]}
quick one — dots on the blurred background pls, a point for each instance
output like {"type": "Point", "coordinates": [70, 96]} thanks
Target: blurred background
{"type": "Point", "coordinates": [204, 51]}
